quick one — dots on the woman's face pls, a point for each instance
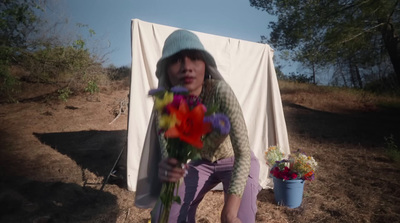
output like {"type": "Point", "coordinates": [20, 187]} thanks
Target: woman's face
{"type": "Point", "coordinates": [187, 69]}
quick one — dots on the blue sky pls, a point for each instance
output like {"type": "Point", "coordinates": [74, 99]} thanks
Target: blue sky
{"type": "Point", "coordinates": [111, 19]}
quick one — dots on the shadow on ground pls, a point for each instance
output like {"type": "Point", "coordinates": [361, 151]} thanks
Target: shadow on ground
{"type": "Point", "coordinates": [96, 151]}
{"type": "Point", "coordinates": [358, 128]}
{"type": "Point", "coordinates": [24, 200]}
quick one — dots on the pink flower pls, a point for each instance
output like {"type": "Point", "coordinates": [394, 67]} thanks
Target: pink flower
{"type": "Point", "coordinates": [177, 100]}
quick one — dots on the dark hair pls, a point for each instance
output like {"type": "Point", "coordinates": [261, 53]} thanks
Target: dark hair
{"type": "Point", "coordinates": [192, 54]}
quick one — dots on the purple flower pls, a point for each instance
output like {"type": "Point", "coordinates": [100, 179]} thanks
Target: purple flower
{"type": "Point", "coordinates": [156, 91]}
{"type": "Point", "coordinates": [219, 122]}
{"type": "Point", "coordinates": [179, 90]}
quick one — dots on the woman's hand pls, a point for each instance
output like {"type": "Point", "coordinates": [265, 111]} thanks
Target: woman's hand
{"type": "Point", "coordinates": [230, 210]}
{"type": "Point", "coordinates": [170, 170]}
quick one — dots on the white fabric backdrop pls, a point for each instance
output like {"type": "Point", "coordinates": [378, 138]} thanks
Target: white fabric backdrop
{"type": "Point", "coordinates": [246, 66]}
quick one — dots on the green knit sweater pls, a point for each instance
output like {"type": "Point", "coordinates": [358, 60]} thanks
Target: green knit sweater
{"type": "Point", "coordinates": [218, 93]}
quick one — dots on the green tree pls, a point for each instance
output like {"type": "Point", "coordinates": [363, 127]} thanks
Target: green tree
{"type": "Point", "coordinates": [17, 22]}
{"type": "Point", "coordinates": [38, 47]}
{"type": "Point", "coordinates": [357, 33]}
{"type": "Point", "coordinates": [279, 74]}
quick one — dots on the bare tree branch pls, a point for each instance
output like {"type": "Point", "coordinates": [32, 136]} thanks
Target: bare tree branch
{"type": "Point", "coordinates": [359, 34]}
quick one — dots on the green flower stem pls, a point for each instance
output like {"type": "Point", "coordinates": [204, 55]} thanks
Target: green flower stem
{"type": "Point", "coordinates": [169, 194]}
{"type": "Point", "coordinates": [169, 191]}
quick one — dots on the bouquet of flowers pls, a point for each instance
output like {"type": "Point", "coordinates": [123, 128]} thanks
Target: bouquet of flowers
{"type": "Point", "coordinates": [297, 166]}
{"type": "Point", "coordinates": [183, 121]}
{"type": "Point", "coordinates": [273, 154]}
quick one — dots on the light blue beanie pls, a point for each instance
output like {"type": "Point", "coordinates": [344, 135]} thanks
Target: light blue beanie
{"type": "Point", "coordinates": [182, 40]}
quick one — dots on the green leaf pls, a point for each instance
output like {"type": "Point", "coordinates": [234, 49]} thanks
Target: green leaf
{"type": "Point", "coordinates": [211, 110]}
{"type": "Point", "coordinates": [177, 199]}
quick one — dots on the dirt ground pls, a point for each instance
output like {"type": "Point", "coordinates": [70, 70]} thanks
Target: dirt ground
{"type": "Point", "coordinates": [55, 155]}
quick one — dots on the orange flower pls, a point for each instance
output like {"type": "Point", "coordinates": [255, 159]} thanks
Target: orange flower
{"type": "Point", "coordinates": [190, 126]}
{"type": "Point", "coordinates": [309, 174]}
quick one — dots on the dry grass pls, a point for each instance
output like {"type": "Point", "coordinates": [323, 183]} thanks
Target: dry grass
{"type": "Point", "coordinates": [54, 154]}
{"type": "Point", "coordinates": [335, 99]}
{"type": "Point", "coordinates": [344, 130]}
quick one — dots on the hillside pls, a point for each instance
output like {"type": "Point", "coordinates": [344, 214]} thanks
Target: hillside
{"type": "Point", "coordinates": [54, 156]}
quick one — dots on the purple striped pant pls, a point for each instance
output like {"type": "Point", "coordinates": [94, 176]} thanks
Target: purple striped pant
{"type": "Point", "coordinates": [204, 175]}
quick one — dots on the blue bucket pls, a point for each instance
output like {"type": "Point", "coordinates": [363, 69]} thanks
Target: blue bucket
{"type": "Point", "coordinates": [289, 192]}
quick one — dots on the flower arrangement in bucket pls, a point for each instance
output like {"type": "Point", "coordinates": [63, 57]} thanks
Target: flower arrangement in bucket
{"type": "Point", "coordinates": [183, 121]}
{"type": "Point", "coordinates": [289, 175]}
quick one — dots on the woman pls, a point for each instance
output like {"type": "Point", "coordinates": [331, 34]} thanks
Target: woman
{"type": "Point", "coordinates": [225, 158]}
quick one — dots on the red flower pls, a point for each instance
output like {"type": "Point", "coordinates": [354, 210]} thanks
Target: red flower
{"type": "Point", "coordinates": [285, 173]}
{"type": "Point", "coordinates": [190, 126]}
{"type": "Point", "coordinates": [286, 170]}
